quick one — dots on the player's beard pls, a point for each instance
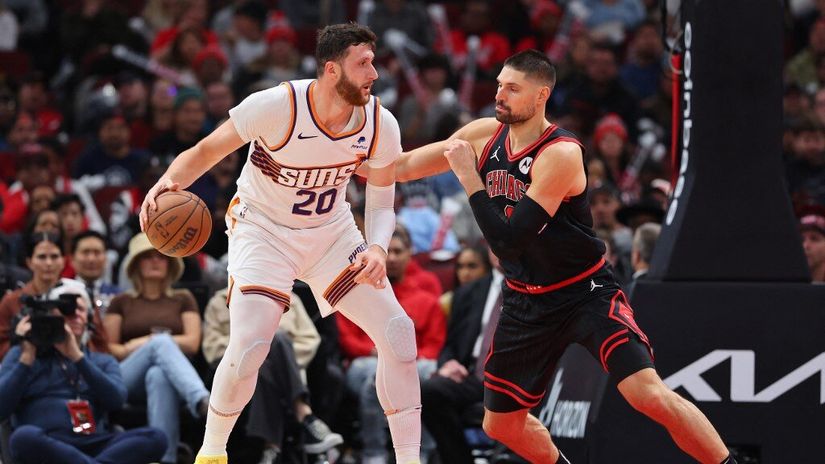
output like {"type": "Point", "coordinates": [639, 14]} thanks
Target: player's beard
{"type": "Point", "coordinates": [350, 92]}
{"type": "Point", "coordinates": [509, 117]}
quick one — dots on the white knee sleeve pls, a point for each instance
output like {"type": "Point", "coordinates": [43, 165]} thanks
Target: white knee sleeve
{"type": "Point", "coordinates": [400, 333]}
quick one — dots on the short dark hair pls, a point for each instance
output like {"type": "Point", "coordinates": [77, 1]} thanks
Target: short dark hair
{"type": "Point", "coordinates": [87, 234]}
{"type": "Point", "coordinates": [401, 233]}
{"type": "Point", "coordinates": [334, 40]}
{"type": "Point", "coordinates": [534, 64]}
{"type": "Point", "coordinates": [65, 199]}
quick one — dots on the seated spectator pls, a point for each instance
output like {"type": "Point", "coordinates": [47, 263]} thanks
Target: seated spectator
{"type": "Point", "coordinates": [801, 68]}
{"type": "Point", "coordinates": [44, 257]}
{"type": "Point", "coordinates": [219, 100]}
{"type": "Point", "coordinates": [643, 70]}
{"type": "Point", "coordinates": [611, 19]}
{"type": "Point", "coordinates": [644, 241]}
{"type": "Point", "coordinates": [805, 164]}
{"type": "Point", "coordinates": [610, 144]}
{"type": "Point", "coordinates": [32, 171]}
{"type": "Point", "coordinates": [246, 41]}
{"type": "Point", "coordinates": [188, 118]}
{"type": "Point", "coordinates": [429, 321]}
{"type": "Point", "coordinates": [477, 20]}
{"type": "Point", "coordinates": [812, 226]}
{"type": "Point", "coordinates": [111, 156]}
{"type": "Point", "coordinates": [471, 263]}
{"type": "Point", "coordinates": [281, 398]}
{"type": "Point", "coordinates": [151, 331]}
{"type": "Point", "coordinates": [604, 204]}
{"type": "Point", "coordinates": [282, 62]}
{"type": "Point", "coordinates": [22, 131]}
{"type": "Point", "coordinates": [133, 104]}
{"type": "Point", "coordinates": [162, 105]}
{"type": "Point", "coordinates": [90, 263]}
{"type": "Point", "coordinates": [599, 91]}
{"type": "Point", "coordinates": [210, 66]}
{"type": "Point", "coordinates": [406, 16]}
{"type": "Point", "coordinates": [33, 98]}
{"type": "Point", "coordinates": [457, 385]}
{"type": "Point", "coordinates": [41, 198]}
{"type": "Point", "coordinates": [72, 222]}
{"type": "Point", "coordinates": [545, 18]}
{"type": "Point", "coordinates": [181, 53]}
{"type": "Point", "coordinates": [419, 114]}
{"type": "Point", "coordinates": [647, 209]}
{"type": "Point", "coordinates": [58, 395]}
{"type": "Point", "coordinates": [421, 220]}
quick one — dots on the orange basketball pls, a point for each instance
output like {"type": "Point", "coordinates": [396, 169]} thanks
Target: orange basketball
{"type": "Point", "coordinates": [181, 224]}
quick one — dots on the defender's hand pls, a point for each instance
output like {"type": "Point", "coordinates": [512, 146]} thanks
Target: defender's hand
{"type": "Point", "coordinates": [462, 158]}
{"type": "Point", "coordinates": [373, 265]}
{"type": "Point", "coordinates": [164, 184]}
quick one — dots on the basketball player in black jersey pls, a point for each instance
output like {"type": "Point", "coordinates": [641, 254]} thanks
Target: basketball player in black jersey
{"type": "Point", "coordinates": [528, 190]}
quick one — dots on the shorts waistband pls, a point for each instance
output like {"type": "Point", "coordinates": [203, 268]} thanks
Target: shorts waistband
{"type": "Point", "coordinates": [539, 289]}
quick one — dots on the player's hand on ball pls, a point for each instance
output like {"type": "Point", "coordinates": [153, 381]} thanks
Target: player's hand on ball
{"type": "Point", "coordinates": [373, 265]}
{"type": "Point", "coordinates": [462, 158]}
{"type": "Point", "coordinates": [164, 184]}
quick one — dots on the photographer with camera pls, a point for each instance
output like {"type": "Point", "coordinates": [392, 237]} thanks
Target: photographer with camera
{"type": "Point", "coordinates": [58, 383]}
{"type": "Point", "coordinates": [44, 257]}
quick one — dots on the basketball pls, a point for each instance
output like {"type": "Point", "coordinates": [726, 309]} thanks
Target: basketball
{"type": "Point", "coordinates": [181, 224]}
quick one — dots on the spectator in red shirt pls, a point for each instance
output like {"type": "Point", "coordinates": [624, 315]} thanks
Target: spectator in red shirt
{"type": "Point", "coordinates": [33, 98]}
{"type": "Point", "coordinates": [23, 130]}
{"type": "Point", "coordinates": [194, 15]}
{"type": "Point", "coordinates": [545, 18]}
{"type": "Point", "coordinates": [430, 331]}
{"type": "Point", "coordinates": [32, 171]}
{"type": "Point", "coordinates": [476, 21]}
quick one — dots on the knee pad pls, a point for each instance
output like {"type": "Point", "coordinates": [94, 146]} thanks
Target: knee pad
{"type": "Point", "coordinates": [251, 359]}
{"type": "Point", "coordinates": [400, 334]}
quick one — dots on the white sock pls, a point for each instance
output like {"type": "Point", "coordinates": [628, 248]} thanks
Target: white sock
{"type": "Point", "coordinates": [405, 429]}
{"type": "Point", "coordinates": [218, 427]}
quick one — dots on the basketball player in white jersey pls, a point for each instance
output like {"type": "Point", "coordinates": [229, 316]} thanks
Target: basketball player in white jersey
{"type": "Point", "coordinates": [289, 220]}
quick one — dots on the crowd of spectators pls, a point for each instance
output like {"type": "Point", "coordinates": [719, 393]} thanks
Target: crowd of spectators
{"type": "Point", "coordinates": [98, 96]}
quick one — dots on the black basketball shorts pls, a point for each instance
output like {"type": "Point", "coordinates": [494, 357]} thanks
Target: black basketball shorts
{"type": "Point", "coordinates": [535, 329]}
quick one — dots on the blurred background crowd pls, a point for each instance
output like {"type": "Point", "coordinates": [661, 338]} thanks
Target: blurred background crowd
{"type": "Point", "coordinates": [98, 96]}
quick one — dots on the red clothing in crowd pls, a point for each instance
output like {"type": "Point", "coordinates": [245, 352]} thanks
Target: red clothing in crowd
{"type": "Point", "coordinates": [15, 208]}
{"type": "Point", "coordinates": [423, 309]}
{"type": "Point", "coordinates": [167, 36]}
{"type": "Point", "coordinates": [493, 50]}
{"type": "Point", "coordinates": [423, 279]}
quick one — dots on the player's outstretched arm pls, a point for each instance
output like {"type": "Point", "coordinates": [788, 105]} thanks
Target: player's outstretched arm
{"type": "Point", "coordinates": [557, 173]}
{"type": "Point", "coordinates": [429, 160]}
{"type": "Point", "coordinates": [193, 163]}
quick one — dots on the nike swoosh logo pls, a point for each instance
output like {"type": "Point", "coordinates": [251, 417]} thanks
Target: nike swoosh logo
{"type": "Point", "coordinates": [302, 136]}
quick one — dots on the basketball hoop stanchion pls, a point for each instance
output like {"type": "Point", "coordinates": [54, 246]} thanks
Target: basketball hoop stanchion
{"type": "Point", "coordinates": [728, 303]}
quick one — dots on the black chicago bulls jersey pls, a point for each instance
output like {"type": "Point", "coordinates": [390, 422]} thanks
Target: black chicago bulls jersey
{"type": "Point", "coordinates": [566, 247]}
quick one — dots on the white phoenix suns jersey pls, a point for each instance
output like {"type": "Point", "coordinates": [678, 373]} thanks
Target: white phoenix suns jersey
{"type": "Point", "coordinates": [297, 171]}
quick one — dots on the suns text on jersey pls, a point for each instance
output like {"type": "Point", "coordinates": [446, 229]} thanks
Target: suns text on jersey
{"type": "Point", "coordinates": [303, 177]}
{"type": "Point", "coordinates": [500, 182]}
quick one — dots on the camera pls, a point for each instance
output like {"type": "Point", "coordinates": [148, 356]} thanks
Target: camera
{"type": "Point", "coordinates": [47, 329]}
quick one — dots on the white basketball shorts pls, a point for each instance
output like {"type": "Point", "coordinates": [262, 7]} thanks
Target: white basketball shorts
{"type": "Point", "coordinates": [265, 258]}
